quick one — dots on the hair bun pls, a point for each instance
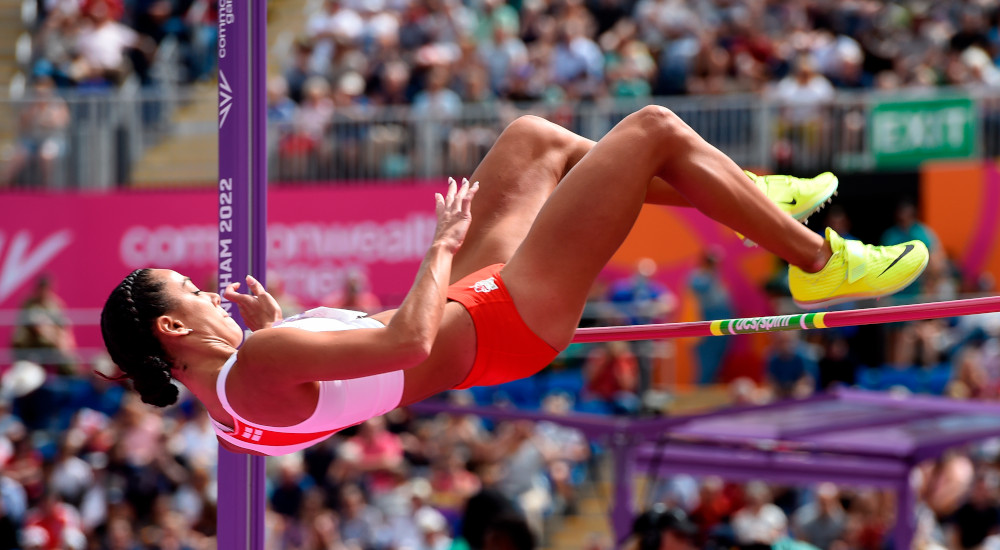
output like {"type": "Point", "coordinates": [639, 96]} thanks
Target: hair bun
{"type": "Point", "coordinates": [152, 381]}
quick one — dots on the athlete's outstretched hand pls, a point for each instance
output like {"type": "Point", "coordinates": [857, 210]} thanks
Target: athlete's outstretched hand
{"type": "Point", "coordinates": [258, 309]}
{"type": "Point", "coordinates": [454, 213]}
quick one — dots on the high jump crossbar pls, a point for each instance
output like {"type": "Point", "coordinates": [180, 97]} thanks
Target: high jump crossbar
{"type": "Point", "coordinates": [798, 321]}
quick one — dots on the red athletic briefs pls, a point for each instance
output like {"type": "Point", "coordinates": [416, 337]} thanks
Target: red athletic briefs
{"type": "Point", "coordinates": [506, 349]}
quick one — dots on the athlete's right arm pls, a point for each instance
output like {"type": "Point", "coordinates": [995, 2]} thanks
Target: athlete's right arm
{"type": "Point", "coordinates": [408, 338]}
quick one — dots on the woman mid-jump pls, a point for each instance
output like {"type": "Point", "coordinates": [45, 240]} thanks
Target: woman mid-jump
{"type": "Point", "coordinates": [498, 294]}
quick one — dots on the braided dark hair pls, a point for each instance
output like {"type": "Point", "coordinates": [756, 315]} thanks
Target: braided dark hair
{"type": "Point", "coordinates": [127, 328]}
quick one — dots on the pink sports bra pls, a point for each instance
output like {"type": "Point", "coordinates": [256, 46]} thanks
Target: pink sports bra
{"type": "Point", "coordinates": [341, 403]}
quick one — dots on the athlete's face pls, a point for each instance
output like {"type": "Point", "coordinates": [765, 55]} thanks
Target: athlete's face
{"type": "Point", "coordinates": [196, 311]}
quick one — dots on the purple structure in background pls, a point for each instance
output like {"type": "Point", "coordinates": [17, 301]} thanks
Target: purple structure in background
{"type": "Point", "coordinates": [242, 226]}
{"type": "Point", "coordinates": [849, 437]}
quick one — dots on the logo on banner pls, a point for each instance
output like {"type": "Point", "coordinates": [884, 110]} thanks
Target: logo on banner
{"type": "Point", "coordinates": [22, 263]}
{"type": "Point", "coordinates": [225, 98]}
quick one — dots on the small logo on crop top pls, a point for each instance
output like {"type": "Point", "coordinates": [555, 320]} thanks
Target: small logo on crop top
{"type": "Point", "coordinates": [251, 434]}
{"type": "Point", "coordinates": [486, 285]}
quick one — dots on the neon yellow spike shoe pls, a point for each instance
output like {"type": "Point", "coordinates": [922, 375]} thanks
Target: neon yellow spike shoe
{"type": "Point", "coordinates": [800, 197]}
{"type": "Point", "coordinates": [858, 271]}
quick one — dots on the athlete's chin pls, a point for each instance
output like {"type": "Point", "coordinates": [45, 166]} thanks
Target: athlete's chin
{"type": "Point", "coordinates": [235, 331]}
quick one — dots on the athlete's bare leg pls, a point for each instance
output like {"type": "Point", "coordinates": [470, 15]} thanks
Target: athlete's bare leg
{"type": "Point", "coordinates": [589, 214]}
{"type": "Point", "coordinates": [516, 177]}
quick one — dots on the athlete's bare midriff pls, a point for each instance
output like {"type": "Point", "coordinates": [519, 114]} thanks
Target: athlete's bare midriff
{"type": "Point", "coordinates": [451, 357]}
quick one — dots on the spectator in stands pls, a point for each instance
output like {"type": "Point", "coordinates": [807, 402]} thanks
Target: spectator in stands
{"type": "Point", "coordinates": [577, 61]}
{"type": "Point", "coordinates": [356, 294]}
{"type": "Point", "coordinates": [611, 375]}
{"type": "Point", "coordinates": [524, 478]}
{"type": "Point", "coordinates": [791, 368]}
{"type": "Point", "coordinates": [822, 521]}
{"type": "Point", "coordinates": [70, 476]}
{"type": "Point", "coordinates": [433, 530]}
{"type": "Point", "coordinates": [714, 507]}
{"type": "Point", "coordinates": [714, 303]}
{"type": "Point", "coordinates": [41, 140]}
{"type": "Point", "coordinates": [630, 66]}
{"type": "Point", "coordinates": [391, 85]}
{"type": "Point", "coordinates": [909, 227]}
{"type": "Point", "coordinates": [332, 26]}
{"type": "Point", "coordinates": [280, 107]}
{"type": "Point", "coordinates": [451, 483]}
{"type": "Point", "coordinates": [902, 337]}
{"type": "Point", "coordinates": [291, 487]}
{"type": "Point", "coordinates": [9, 529]}
{"type": "Point", "coordinates": [348, 133]}
{"type": "Point", "coordinates": [838, 220]}
{"type": "Point", "coordinates": [503, 54]}
{"type": "Point", "coordinates": [299, 68]}
{"type": "Point", "coordinates": [759, 521]}
{"type": "Point", "coordinates": [103, 44]}
{"type": "Point", "coordinates": [485, 507]}
{"type": "Point", "coordinates": [121, 535]}
{"type": "Point", "coordinates": [194, 441]}
{"type": "Point", "coordinates": [803, 95]}
{"type": "Point", "coordinates": [438, 108]}
{"type": "Point", "coordinates": [54, 516]}
{"type": "Point", "coordinates": [34, 537]}
{"type": "Point", "coordinates": [13, 507]}
{"type": "Point", "coordinates": [509, 532]}
{"type": "Point", "coordinates": [376, 452]}
{"type": "Point", "coordinates": [566, 451]}
{"type": "Point", "coordinates": [360, 522]}
{"type": "Point", "coordinates": [971, 379]}
{"type": "Point", "coordinates": [304, 150]}
{"type": "Point", "coordinates": [44, 335]}
{"type": "Point", "coordinates": [979, 516]}
{"type": "Point", "coordinates": [836, 364]}
{"type": "Point", "coordinates": [665, 528]}
{"type": "Point", "coordinates": [644, 300]}
{"type": "Point", "coordinates": [202, 17]}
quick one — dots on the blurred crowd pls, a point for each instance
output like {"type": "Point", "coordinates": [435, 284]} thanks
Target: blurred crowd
{"type": "Point", "coordinates": [100, 44]}
{"type": "Point", "coordinates": [566, 50]}
{"type": "Point", "coordinates": [464, 65]}
{"type": "Point", "coordinates": [439, 53]}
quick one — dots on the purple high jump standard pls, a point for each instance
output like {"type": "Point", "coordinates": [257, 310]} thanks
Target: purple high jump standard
{"type": "Point", "coordinates": [242, 224]}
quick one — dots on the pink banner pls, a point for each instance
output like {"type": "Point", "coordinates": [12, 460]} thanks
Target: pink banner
{"type": "Point", "coordinates": [316, 236]}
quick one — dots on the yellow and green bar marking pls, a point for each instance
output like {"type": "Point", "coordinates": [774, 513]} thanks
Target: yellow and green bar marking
{"type": "Point", "coordinates": [751, 325]}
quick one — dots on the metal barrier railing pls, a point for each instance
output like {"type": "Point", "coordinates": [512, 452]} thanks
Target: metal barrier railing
{"type": "Point", "coordinates": [108, 133]}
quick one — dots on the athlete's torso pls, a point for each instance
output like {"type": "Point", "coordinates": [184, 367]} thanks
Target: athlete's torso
{"type": "Point", "coordinates": [336, 404]}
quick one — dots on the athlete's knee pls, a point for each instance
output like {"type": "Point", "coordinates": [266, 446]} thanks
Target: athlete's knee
{"type": "Point", "coordinates": [527, 124]}
{"type": "Point", "coordinates": [660, 122]}
{"type": "Point", "coordinates": [538, 130]}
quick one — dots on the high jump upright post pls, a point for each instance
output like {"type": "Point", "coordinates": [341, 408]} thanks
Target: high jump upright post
{"type": "Point", "coordinates": [242, 186]}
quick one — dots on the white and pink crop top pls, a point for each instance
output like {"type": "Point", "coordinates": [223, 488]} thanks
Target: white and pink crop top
{"type": "Point", "coordinates": [341, 403]}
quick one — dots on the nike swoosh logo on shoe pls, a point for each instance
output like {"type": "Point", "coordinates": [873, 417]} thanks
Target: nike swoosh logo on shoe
{"type": "Point", "coordinates": [792, 202]}
{"type": "Point", "coordinates": [906, 251]}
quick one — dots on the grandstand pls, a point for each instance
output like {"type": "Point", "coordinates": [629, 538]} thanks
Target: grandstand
{"type": "Point", "coordinates": [108, 161]}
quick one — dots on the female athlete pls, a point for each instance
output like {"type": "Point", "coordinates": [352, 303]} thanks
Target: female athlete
{"type": "Point", "coordinates": [498, 294]}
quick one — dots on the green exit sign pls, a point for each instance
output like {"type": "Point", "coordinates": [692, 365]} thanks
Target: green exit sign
{"type": "Point", "coordinates": [905, 133]}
